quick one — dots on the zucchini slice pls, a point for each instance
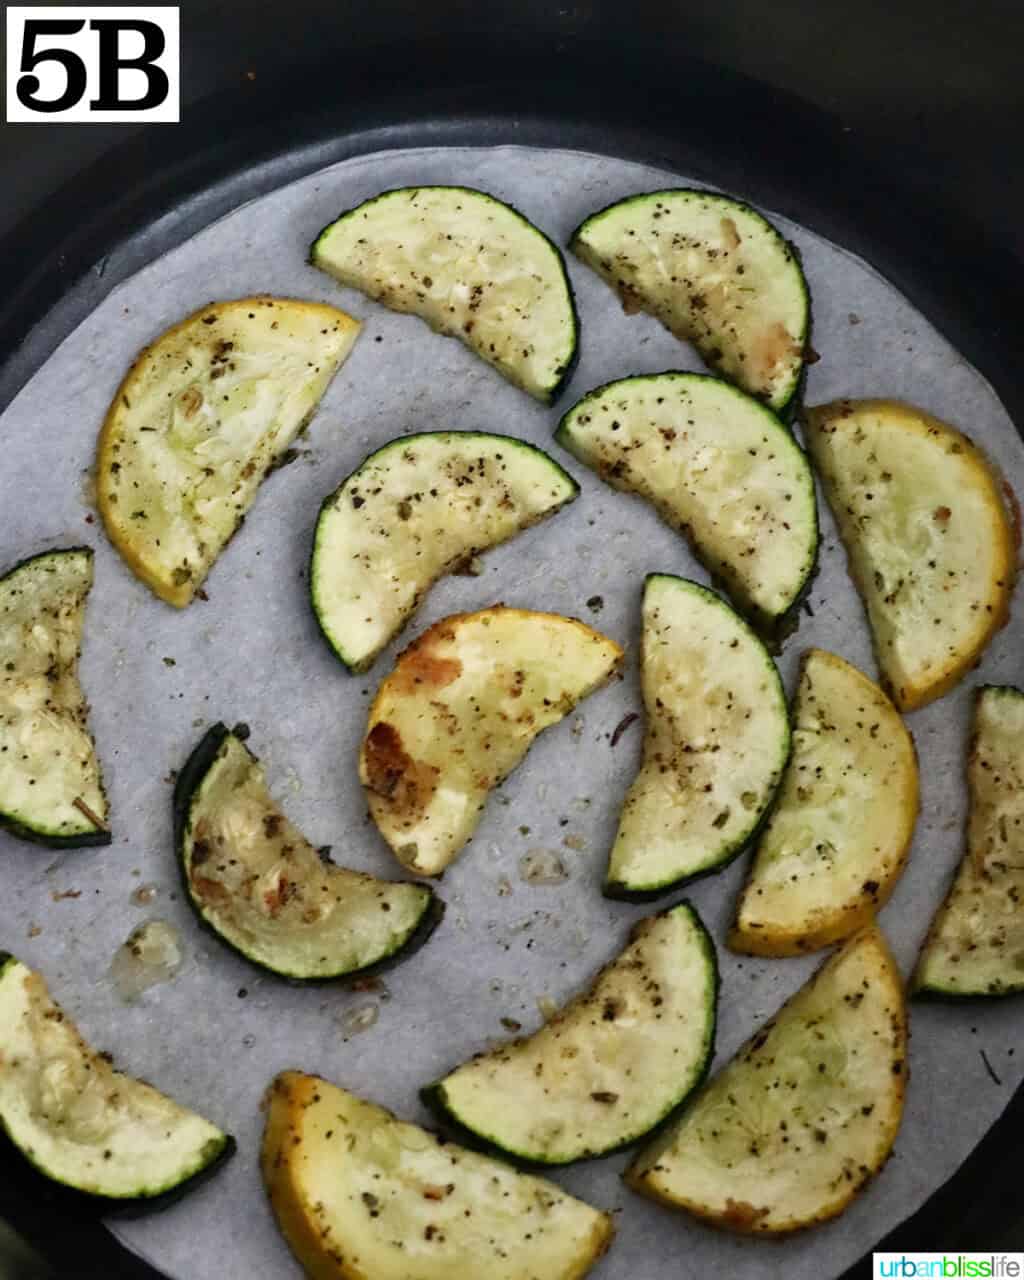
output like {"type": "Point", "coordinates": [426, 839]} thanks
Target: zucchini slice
{"type": "Point", "coordinates": [716, 274]}
{"type": "Point", "coordinates": [202, 416]}
{"type": "Point", "coordinates": [927, 537]}
{"type": "Point", "coordinates": [51, 788]}
{"type": "Point", "coordinates": [469, 265]}
{"type": "Point", "coordinates": [716, 744]}
{"type": "Point", "coordinates": [458, 713]}
{"type": "Point", "coordinates": [611, 1065]}
{"type": "Point", "coordinates": [472, 268]}
{"type": "Point", "coordinates": [975, 946]}
{"type": "Point", "coordinates": [259, 884]}
{"type": "Point", "coordinates": [839, 834]}
{"type": "Point", "coordinates": [360, 1195]}
{"type": "Point", "coordinates": [80, 1122]}
{"type": "Point", "coordinates": [717, 465]}
{"type": "Point", "coordinates": [787, 1134]}
{"type": "Point", "coordinates": [414, 510]}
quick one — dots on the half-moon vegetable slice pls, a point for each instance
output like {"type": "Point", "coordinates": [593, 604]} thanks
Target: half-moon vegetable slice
{"type": "Point", "coordinates": [975, 946]}
{"type": "Point", "coordinates": [715, 273]}
{"type": "Point", "coordinates": [716, 744]}
{"type": "Point", "coordinates": [789, 1132]}
{"type": "Point", "coordinates": [458, 713]}
{"type": "Point", "coordinates": [608, 1067]}
{"type": "Point", "coordinates": [51, 788]}
{"type": "Point", "coordinates": [413, 511]}
{"type": "Point", "coordinates": [80, 1122]}
{"type": "Point", "coordinates": [360, 1195]}
{"type": "Point", "coordinates": [928, 540]}
{"type": "Point", "coordinates": [202, 416]}
{"type": "Point", "coordinates": [469, 265]}
{"type": "Point", "coordinates": [259, 884]}
{"type": "Point", "coordinates": [716, 465]}
{"type": "Point", "coordinates": [840, 831]}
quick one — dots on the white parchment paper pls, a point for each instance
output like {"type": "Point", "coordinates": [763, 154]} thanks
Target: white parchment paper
{"type": "Point", "coordinates": [216, 1034]}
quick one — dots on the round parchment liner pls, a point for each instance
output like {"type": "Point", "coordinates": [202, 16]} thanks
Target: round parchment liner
{"type": "Point", "coordinates": [215, 1035]}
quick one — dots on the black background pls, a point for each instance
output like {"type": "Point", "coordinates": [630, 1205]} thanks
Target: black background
{"type": "Point", "coordinates": [941, 82]}
{"type": "Point", "coordinates": [934, 90]}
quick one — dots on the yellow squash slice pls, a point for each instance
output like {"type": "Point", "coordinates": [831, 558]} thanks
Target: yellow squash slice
{"type": "Point", "coordinates": [929, 542]}
{"type": "Point", "coordinates": [203, 414]}
{"type": "Point", "coordinates": [360, 1195]}
{"type": "Point", "coordinates": [459, 712]}
{"type": "Point", "coordinates": [789, 1132]}
{"type": "Point", "coordinates": [838, 837]}
{"type": "Point", "coordinates": [975, 946]}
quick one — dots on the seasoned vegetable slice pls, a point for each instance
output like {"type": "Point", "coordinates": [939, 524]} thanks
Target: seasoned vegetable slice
{"type": "Point", "coordinates": [80, 1122]}
{"type": "Point", "coordinates": [717, 465]}
{"type": "Point", "coordinates": [839, 834]}
{"type": "Point", "coordinates": [717, 741]}
{"type": "Point", "coordinates": [975, 946]}
{"type": "Point", "coordinates": [360, 1195]}
{"type": "Point", "coordinates": [413, 511]}
{"type": "Point", "coordinates": [611, 1065]}
{"type": "Point", "coordinates": [469, 265]}
{"type": "Point", "coordinates": [458, 713]}
{"type": "Point", "coordinates": [258, 883]}
{"type": "Point", "coordinates": [789, 1132]}
{"type": "Point", "coordinates": [928, 539]}
{"type": "Point", "coordinates": [715, 273]}
{"type": "Point", "coordinates": [51, 788]}
{"type": "Point", "coordinates": [202, 416]}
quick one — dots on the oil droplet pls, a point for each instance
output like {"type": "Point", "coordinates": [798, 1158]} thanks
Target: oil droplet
{"type": "Point", "coordinates": [152, 954]}
{"type": "Point", "coordinates": [144, 895]}
{"type": "Point", "coordinates": [359, 1019]}
{"type": "Point", "coordinates": [542, 867]}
